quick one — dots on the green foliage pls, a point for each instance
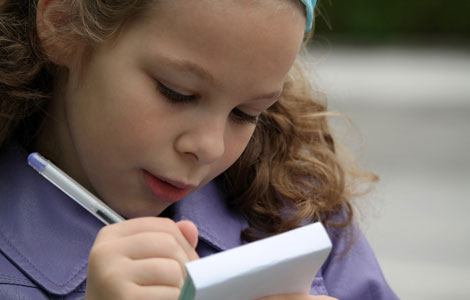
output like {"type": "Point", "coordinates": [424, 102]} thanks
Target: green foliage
{"type": "Point", "coordinates": [395, 17]}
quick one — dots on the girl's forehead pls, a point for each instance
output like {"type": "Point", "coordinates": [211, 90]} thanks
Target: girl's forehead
{"type": "Point", "coordinates": [247, 45]}
{"type": "Point", "coordinates": [247, 21]}
{"type": "Point", "coordinates": [225, 6]}
{"type": "Point", "coordinates": [222, 12]}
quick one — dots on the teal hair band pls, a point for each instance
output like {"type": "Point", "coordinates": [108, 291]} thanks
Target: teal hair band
{"type": "Point", "coordinates": [309, 5]}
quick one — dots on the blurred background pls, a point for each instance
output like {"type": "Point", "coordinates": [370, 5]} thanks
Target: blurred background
{"type": "Point", "coordinates": [400, 70]}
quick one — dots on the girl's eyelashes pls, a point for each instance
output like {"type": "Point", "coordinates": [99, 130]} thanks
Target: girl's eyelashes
{"type": "Point", "coordinates": [237, 115]}
{"type": "Point", "coordinates": [173, 96]}
{"type": "Point", "coordinates": [241, 117]}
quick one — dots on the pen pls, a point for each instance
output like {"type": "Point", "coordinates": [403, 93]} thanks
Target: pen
{"type": "Point", "coordinates": [73, 189]}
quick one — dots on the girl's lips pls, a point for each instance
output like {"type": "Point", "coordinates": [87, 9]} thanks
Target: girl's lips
{"type": "Point", "coordinates": [166, 189]}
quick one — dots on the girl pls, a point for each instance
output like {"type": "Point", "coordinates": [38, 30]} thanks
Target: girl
{"type": "Point", "coordinates": [186, 110]}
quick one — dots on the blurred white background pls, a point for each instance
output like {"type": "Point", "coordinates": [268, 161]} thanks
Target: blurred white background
{"type": "Point", "coordinates": [411, 110]}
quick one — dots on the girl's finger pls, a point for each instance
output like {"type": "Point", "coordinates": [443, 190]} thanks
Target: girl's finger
{"type": "Point", "coordinates": [146, 224]}
{"type": "Point", "coordinates": [150, 245]}
{"type": "Point", "coordinates": [157, 271]}
{"type": "Point", "coordinates": [189, 231]}
{"type": "Point", "coordinates": [155, 292]}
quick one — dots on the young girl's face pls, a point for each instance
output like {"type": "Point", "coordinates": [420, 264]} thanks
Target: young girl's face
{"type": "Point", "coordinates": [172, 103]}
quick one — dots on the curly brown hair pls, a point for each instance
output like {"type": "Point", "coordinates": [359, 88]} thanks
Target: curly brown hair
{"type": "Point", "coordinates": [290, 171]}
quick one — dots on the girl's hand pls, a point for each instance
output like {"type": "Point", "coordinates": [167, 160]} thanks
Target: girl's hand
{"type": "Point", "coordinates": [141, 258]}
{"type": "Point", "coordinates": [297, 297]}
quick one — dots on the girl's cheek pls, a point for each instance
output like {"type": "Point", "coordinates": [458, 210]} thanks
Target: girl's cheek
{"type": "Point", "coordinates": [238, 143]}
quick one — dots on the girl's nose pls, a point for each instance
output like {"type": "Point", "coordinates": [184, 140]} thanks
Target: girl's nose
{"type": "Point", "coordinates": [205, 141]}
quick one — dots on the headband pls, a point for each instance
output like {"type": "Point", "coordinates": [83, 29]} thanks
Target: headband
{"type": "Point", "coordinates": [309, 5]}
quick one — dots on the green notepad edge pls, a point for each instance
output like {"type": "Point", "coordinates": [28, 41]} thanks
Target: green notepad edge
{"type": "Point", "coordinates": [188, 291]}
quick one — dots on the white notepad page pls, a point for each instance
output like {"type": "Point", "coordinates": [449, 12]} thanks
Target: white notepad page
{"type": "Point", "coordinates": [282, 264]}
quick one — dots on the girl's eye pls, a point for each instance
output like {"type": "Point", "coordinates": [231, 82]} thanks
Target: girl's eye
{"type": "Point", "coordinates": [173, 96]}
{"type": "Point", "coordinates": [237, 115]}
{"type": "Point", "coordinates": [241, 117]}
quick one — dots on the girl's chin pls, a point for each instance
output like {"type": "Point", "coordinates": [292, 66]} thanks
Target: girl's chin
{"type": "Point", "coordinates": [150, 207]}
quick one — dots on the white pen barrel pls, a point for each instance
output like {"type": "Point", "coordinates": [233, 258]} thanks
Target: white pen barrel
{"type": "Point", "coordinates": [81, 195]}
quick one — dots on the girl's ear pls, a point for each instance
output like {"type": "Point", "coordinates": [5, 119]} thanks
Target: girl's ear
{"type": "Point", "coordinates": [52, 20]}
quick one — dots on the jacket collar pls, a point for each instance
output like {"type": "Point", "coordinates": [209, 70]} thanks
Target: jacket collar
{"type": "Point", "coordinates": [48, 236]}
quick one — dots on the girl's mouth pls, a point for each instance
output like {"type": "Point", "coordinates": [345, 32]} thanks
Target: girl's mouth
{"type": "Point", "coordinates": [165, 189]}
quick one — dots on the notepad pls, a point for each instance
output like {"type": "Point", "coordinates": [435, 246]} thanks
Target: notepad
{"type": "Point", "coordinates": [282, 264]}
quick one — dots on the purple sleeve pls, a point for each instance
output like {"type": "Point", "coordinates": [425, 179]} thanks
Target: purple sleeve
{"type": "Point", "coordinates": [352, 272]}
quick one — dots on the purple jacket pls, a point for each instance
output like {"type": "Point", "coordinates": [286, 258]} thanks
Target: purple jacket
{"type": "Point", "coordinates": [45, 239]}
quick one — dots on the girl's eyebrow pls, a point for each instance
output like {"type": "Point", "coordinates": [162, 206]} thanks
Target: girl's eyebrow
{"type": "Point", "coordinates": [191, 67]}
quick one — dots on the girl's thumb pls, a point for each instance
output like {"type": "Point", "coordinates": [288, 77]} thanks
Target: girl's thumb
{"type": "Point", "coordinates": [189, 231]}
